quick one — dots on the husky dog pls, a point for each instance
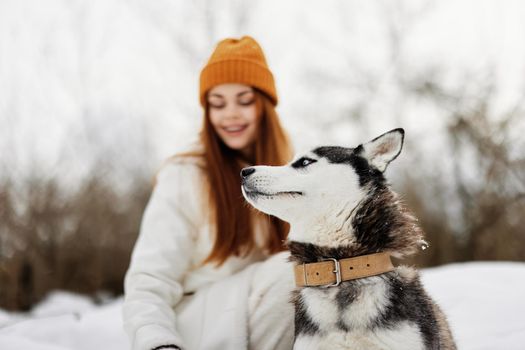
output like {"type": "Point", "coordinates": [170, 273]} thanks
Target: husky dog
{"type": "Point", "coordinates": [339, 205]}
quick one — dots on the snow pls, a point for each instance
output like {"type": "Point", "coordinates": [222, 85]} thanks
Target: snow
{"type": "Point", "coordinates": [69, 67]}
{"type": "Point", "coordinates": [65, 321]}
{"type": "Point", "coordinates": [483, 302]}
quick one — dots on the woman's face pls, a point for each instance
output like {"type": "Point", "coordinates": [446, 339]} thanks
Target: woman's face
{"type": "Point", "coordinates": [233, 114]}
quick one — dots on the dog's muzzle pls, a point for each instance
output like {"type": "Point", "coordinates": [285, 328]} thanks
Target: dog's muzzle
{"type": "Point", "coordinates": [245, 172]}
{"type": "Point", "coordinates": [252, 191]}
{"type": "Point", "coordinates": [249, 190]}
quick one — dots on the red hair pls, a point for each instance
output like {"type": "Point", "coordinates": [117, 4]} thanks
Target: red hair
{"type": "Point", "coordinates": [232, 217]}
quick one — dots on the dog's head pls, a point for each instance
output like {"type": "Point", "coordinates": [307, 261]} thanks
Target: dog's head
{"type": "Point", "coordinates": [332, 195]}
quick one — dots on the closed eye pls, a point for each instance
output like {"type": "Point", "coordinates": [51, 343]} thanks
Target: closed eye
{"type": "Point", "coordinates": [303, 162]}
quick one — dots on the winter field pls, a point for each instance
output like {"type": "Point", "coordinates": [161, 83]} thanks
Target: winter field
{"type": "Point", "coordinates": [483, 301]}
{"type": "Point", "coordinates": [99, 93]}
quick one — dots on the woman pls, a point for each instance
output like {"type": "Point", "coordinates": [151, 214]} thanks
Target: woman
{"type": "Point", "coordinates": [199, 277]}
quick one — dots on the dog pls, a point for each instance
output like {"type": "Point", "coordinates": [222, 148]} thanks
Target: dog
{"type": "Point", "coordinates": [345, 219]}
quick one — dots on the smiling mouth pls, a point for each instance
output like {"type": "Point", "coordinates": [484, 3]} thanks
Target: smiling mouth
{"type": "Point", "coordinates": [235, 129]}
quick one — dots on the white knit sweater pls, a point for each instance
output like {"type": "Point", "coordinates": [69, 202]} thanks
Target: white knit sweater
{"type": "Point", "coordinates": [174, 239]}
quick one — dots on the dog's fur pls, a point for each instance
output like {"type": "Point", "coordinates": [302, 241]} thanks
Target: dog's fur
{"type": "Point", "coordinates": [339, 205]}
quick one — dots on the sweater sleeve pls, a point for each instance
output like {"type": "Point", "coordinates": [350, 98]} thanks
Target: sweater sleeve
{"type": "Point", "coordinates": [159, 261]}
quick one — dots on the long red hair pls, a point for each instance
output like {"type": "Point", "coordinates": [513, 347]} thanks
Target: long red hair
{"type": "Point", "coordinates": [232, 218]}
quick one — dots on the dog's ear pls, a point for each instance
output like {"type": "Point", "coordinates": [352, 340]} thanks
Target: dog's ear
{"type": "Point", "coordinates": [383, 149]}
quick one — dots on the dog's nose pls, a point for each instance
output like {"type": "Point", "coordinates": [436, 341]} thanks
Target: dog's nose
{"type": "Point", "coordinates": [247, 172]}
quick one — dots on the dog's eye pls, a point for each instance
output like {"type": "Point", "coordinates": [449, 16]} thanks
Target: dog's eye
{"type": "Point", "coordinates": [303, 162]}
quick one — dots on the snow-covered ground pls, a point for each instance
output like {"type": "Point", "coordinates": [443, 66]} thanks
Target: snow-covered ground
{"type": "Point", "coordinates": [484, 302]}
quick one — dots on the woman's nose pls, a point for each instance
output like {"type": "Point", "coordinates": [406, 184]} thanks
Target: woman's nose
{"type": "Point", "coordinates": [231, 111]}
{"type": "Point", "coordinates": [247, 172]}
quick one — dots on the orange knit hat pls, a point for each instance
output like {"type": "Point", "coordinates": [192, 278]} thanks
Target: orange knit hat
{"type": "Point", "coordinates": [237, 61]}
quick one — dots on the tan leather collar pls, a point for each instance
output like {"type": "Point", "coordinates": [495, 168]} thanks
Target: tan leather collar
{"type": "Point", "coordinates": [332, 271]}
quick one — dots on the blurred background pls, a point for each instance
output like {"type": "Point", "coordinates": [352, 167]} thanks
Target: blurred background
{"type": "Point", "coordinates": [94, 95]}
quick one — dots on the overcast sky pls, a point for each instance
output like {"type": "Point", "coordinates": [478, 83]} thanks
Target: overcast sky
{"type": "Point", "coordinates": [121, 77]}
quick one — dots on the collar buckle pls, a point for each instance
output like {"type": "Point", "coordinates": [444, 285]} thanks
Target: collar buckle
{"type": "Point", "coordinates": [337, 272]}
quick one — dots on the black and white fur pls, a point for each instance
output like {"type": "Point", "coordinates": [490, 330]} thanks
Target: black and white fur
{"type": "Point", "coordinates": [339, 205]}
